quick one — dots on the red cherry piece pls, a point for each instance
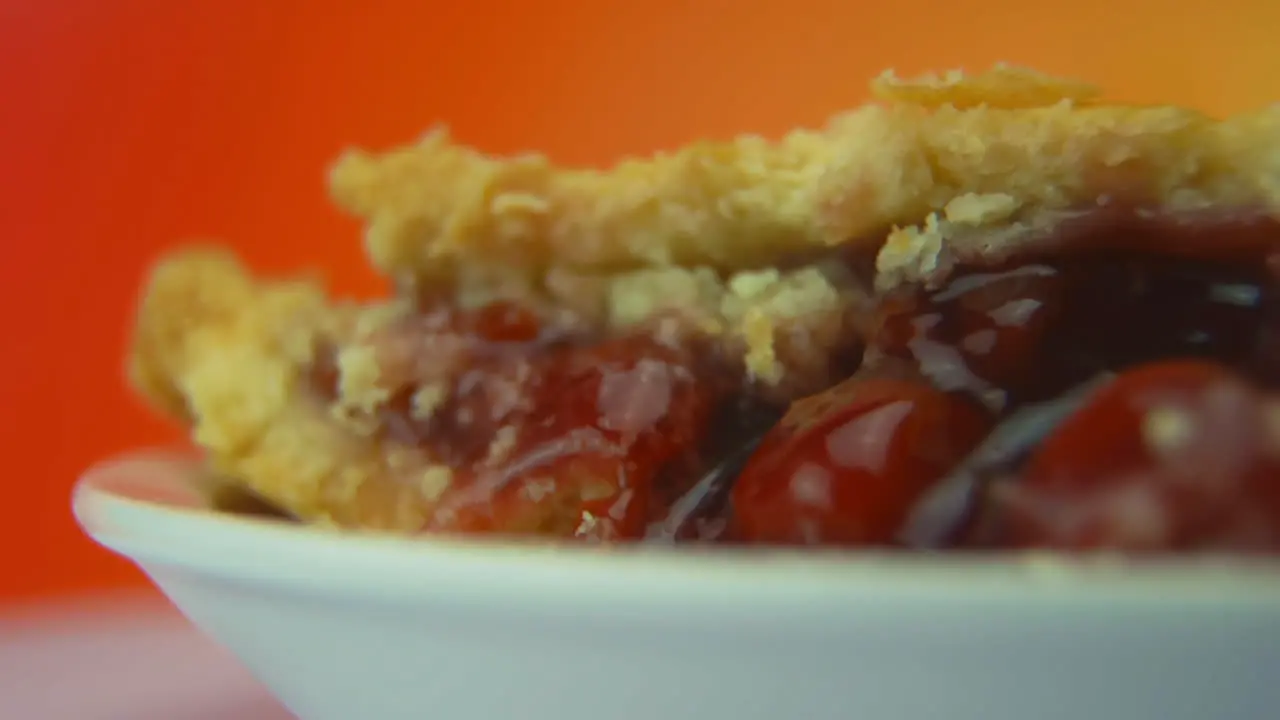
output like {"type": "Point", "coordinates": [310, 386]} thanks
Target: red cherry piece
{"type": "Point", "coordinates": [1178, 455]}
{"type": "Point", "coordinates": [504, 322]}
{"type": "Point", "coordinates": [982, 331]}
{"type": "Point", "coordinates": [1105, 437]}
{"type": "Point", "coordinates": [845, 467]}
{"type": "Point", "coordinates": [594, 428]}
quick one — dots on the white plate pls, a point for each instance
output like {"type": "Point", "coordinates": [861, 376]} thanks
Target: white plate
{"type": "Point", "coordinates": [345, 626]}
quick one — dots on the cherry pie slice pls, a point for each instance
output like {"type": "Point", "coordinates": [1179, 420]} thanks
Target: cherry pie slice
{"type": "Point", "coordinates": [986, 311]}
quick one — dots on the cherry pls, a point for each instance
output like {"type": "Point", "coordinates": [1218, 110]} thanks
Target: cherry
{"type": "Point", "coordinates": [845, 467]}
{"type": "Point", "coordinates": [503, 322]}
{"type": "Point", "coordinates": [981, 332]}
{"type": "Point", "coordinates": [587, 441]}
{"type": "Point", "coordinates": [1178, 455]}
{"type": "Point", "coordinates": [543, 431]}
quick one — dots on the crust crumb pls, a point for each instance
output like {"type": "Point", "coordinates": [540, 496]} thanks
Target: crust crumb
{"type": "Point", "coordinates": [1003, 86]}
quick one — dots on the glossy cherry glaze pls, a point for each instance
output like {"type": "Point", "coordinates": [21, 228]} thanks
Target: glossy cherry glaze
{"type": "Point", "coordinates": [1027, 332]}
{"type": "Point", "coordinates": [601, 424]}
{"type": "Point", "coordinates": [846, 466]}
{"type": "Point", "coordinates": [1180, 455]}
{"type": "Point", "coordinates": [1024, 332]}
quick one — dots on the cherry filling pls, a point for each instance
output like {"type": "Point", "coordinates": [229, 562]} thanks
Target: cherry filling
{"type": "Point", "coordinates": [547, 430]}
{"type": "Point", "coordinates": [1023, 332]}
{"type": "Point", "coordinates": [1182, 454]}
{"type": "Point", "coordinates": [846, 467]}
{"type": "Point", "coordinates": [1114, 392]}
{"type": "Point", "coordinates": [1180, 451]}
{"type": "Point", "coordinates": [581, 451]}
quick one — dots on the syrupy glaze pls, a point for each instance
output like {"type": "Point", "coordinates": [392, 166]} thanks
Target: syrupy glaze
{"type": "Point", "coordinates": [1024, 332]}
{"type": "Point", "coordinates": [1114, 389]}
{"type": "Point", "coordinates": [1181, 451]}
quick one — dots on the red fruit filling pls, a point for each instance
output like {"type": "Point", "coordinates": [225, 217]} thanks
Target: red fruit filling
{"type": "Point", "coordinates": [1115, 392]}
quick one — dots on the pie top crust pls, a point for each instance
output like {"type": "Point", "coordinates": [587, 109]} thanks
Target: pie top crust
{"type": "Point", "coordinates": [943, 154]}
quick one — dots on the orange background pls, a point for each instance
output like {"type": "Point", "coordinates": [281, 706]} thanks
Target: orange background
{"type": "Point", "coordinates": [128, 125]}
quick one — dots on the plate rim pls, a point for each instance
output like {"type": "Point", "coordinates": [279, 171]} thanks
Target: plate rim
{"type": "Point", "coordinates": [161, 523]}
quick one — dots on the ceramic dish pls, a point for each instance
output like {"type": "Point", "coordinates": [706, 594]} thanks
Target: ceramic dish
{"type": "Point", "coordinates": [345, 626]}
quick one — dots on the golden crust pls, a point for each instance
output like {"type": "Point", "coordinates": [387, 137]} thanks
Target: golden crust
{"type": "Point", "coordinates": [435, 204]}
{"type": "Point", "coordinates": [946, 166]}
{"type": "Point", "coordinates": [1003, 86]}
{"type": "Point", "coordinates": [229, 355]}
{"type": "Point", "coordinates": [1038, 145]}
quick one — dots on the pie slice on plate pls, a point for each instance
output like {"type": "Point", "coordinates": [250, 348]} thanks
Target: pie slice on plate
{"type": "Point", "coordinates": [987, 310]}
